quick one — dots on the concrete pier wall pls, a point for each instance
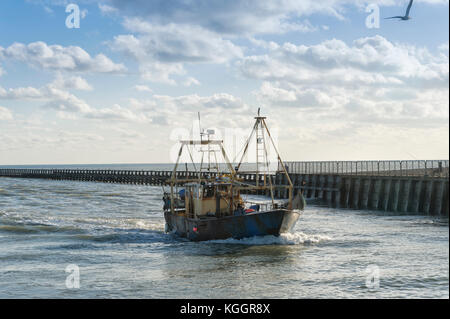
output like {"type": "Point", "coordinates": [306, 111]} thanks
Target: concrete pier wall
{"type": "Point", "coordinates": [407, 194]}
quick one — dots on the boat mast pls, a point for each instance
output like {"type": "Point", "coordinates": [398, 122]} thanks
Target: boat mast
{"type": "Point", "coordinates": [260, 144]}
{"type": "Point", "coordinates": [291, 186]}
{"type": "Point", "coordinates": [260, 129]}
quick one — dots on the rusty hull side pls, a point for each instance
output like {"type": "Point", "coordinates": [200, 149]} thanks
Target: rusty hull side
{"type": "Point", "coordinates": [272, 222]}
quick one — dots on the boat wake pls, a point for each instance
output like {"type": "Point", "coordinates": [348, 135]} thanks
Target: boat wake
{"type": "Point", "coordinates": [132, 230]}
{"type": "Point", "coordinates": [297, 238]}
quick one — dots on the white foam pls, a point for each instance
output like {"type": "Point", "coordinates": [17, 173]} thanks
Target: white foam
{"type": "Point", "coordinates": [297, 238]}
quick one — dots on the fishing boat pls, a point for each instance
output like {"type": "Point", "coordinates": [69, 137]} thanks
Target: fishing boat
{"type": "Point", "coordinates": [212, 205]}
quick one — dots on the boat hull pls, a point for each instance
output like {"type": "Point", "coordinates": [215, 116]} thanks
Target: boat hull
{"type": "Point", "coordinates": [272, 222]}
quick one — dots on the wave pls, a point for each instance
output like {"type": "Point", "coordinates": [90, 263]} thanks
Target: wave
{"type": "Point", "coordinates": [127, 237]}
{"type": "Point", "coordinates": [119, 223]}
{"type": "Point", "coordinates": [19, 229]}
{"type": "Point", "coordinates": [297, 238]}
{"type": "Point", "coordinates": [73, 246]}
{"type": "Point", "coordinates": [114, 195]}
{"type": "Point", "coordinates": [11, 226]}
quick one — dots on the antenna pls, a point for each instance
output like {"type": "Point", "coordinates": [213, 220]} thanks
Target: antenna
{"type": "Point", "coordinates": [206, 133]}
{"type": "Point", "coordinates": [199, 125]}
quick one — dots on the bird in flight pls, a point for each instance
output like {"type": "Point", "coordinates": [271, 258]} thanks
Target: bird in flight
{"type": "Point", "coordinates": [406, 16]}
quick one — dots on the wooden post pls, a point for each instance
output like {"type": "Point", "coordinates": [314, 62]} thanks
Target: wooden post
{"type": "Point", "coordinates": [427, 197]}
{"type": "Point", "coordinates": [417, 196]}
{"type": "Point", "coordinates": [356, 192]}
{"type": "Point", "coordinates": [376, 193]}
{"type": "Point", "coordinates": [365, 193]}
{"type": "Point", "coordinates": [439, 197]}
{"type": "Point", "coordinates": [395, 194]}
{"type": "Point", "coordinates": [404, 198]}
{"type": "Point", "coordinates": [347, 192]}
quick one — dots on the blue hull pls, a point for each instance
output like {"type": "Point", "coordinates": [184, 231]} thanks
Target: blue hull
{"type": "Point", "coordinates": [265, 223]}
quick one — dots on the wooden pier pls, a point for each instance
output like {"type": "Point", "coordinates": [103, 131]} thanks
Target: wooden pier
{"type": "Point", "coordinates": [90, 175]}
{"type": "Point", "coordinates": [414, 189]}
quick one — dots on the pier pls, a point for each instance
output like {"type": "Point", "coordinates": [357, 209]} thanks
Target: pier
{"type": "Point", "coordinates": [408, 187]}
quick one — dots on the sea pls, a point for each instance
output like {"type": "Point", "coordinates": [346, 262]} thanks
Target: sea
{"type": "Point", "coordinates": [70, 239]}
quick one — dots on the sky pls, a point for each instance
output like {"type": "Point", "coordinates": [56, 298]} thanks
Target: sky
{"type": "Point", "coordinates": [128, 81]}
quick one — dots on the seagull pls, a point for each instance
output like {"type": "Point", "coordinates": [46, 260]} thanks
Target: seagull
{"type": "Point", "coordinates": [406, 16]}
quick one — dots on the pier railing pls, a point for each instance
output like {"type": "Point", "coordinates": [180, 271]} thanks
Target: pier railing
{"type": "Point", "coordinates": [427, 168]}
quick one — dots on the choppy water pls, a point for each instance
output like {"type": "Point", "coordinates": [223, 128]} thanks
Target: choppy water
{"type": "Point", "coordinates": [115, 234]}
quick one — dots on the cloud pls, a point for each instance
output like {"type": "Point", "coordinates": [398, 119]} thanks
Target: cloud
{"type": "Point", "coordinates": [107, 9]}
{"type": "Point", "coordinates": [48, 139]}
{"type": "Point", "coordinates": [370, 56]}
{"type": "Point", "coordinates": [73, 82]}
{"type": "Point", "coordinates": [191, 81]}
{"type": "Point", "coordinates": [116, 112]}
{"type": "Point", "coordinates": [268, 45]}
{"type": "Point", "coordinates": [231, 17]}
{"type": "Point", "coordinates": [60, 58]}
{"type": "Point", "coordinates": [444, 48]}
{"type": "Point", "coordinates": [369, 60]}
{"type": "Point", "coordinates": [223, 101]}
{"type": "Point", "coordinates": [52, 94]}
{"type": "Point", "coordinates": [55, 96]}
{"type": "Point", "coordinates": [162, 50]}
{"type": "Point", "coordinates": [371, 80]}
{"type": "Point", "coordinates": [245, 17]}
{"type": "Point", "coordinates": [305, 98]}
{"type": "Point", "coordinates": [5, 114]}
{"type": "Point", "coordinates": [176, 43]}
{"type": "Point", "coordinates": [165, 109]}
{"type": "Point", "coordinates": [143, 88]}
{"type": "Point", "coordinates": [161, 72]}
{"type": "Point", "coordinates": [159, 110]}
{"type": "Point", "coordinates": [48, 10]}
{"type": "Point", "coordinates": [65, 102]}
{"type": "Point", "coordinates": [128, 134]}
{"type": "Point", "coordinates": [21, 93]}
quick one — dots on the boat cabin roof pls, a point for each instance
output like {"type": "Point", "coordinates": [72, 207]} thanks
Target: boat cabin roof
{"type": "Point", "coordinates": [198, 142]}
{"type": "Point", "coordinates": [206, 184]}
